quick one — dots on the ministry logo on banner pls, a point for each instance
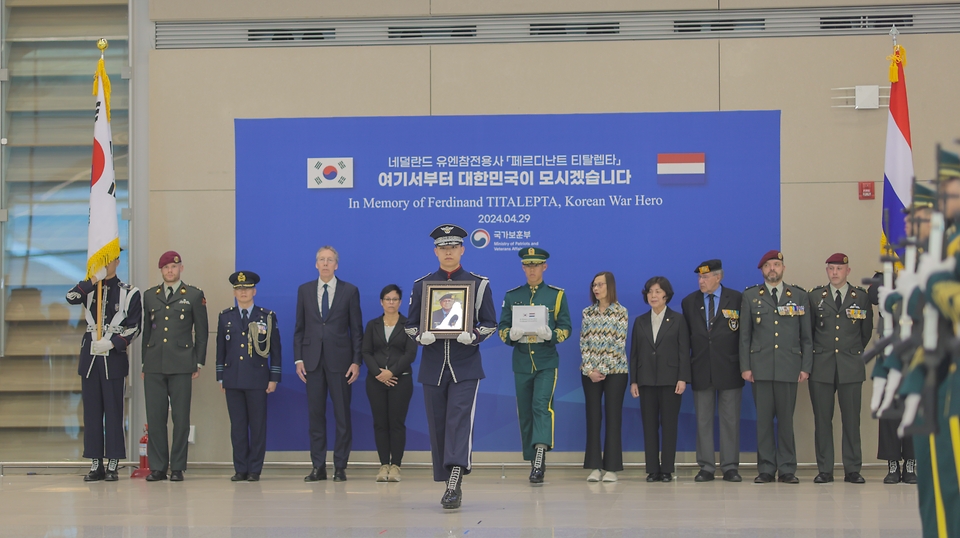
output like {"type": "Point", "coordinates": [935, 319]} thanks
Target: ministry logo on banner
{"type": "Point", "coordinates": [330, 173]}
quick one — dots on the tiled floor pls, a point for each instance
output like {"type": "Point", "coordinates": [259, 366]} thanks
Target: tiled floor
{"type": "Point", "coordinates": [207, 504]}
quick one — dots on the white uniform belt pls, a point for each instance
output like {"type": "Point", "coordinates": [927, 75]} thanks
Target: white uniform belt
{"type": "Point", "coordinates": [107, 329]}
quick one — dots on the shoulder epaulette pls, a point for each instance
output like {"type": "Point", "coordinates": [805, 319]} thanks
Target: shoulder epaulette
{"type": "Point", "coordinates": [751, 287]}
{"type": "Point", "coordinates": [816, 288]}
{"type": "Point", "coordinates": [515, 289]}
{"type": "Point", "coordinates": [423, 277]}
{"type": "Point", "coordinates": [481, 277]}
{"type": "Point", "coordinates": [554, 287]}
{"type": "Point", "coordinates": [864, 290]}
{"type": "Point", "coordinates": [126, 286]}
{"type": "Point", "coordinates": [225, 310]}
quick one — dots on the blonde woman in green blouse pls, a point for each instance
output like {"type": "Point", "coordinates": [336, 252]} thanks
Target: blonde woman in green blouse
{"type": "Point", "coordinates": [603, 348]}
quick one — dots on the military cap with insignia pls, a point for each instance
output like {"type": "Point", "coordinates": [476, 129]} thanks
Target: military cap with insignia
{"type": "Point", "coordinates": [923, 197]}
{"type": "Point", "coordinates": [169, 256]}
{"type": "Point", "coordinates": [709, 266]}
{"type": "Point", "coordinates": [448, 234]}
{"type": "Point", "coordinates": [770, 255]}
{"type": "Point", "coordinates": [838, 258]}
{"type": "Point", "coordinates": [533, 256]}
{"type": "Point", "coordinates": [446, 296]}
{"type": "Point", "coordinates": [244, 279]}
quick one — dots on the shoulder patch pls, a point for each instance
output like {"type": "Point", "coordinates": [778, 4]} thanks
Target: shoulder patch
{"type": "Point", "coordinates": [481, 277]}
{"type": "Point", "coordinates": [423, 277]}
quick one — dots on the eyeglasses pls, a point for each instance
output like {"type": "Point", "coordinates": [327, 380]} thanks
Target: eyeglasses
{"type": "Point", "coordinates": [326, 260]}
{"type": "Point", "coordinates": [390, 299]}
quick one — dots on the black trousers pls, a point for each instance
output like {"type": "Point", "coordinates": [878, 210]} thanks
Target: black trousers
{"type": "Point", "coordinates": [102, 414]}
{"type": "Point", "coordinates": [389, 407]}
{"type": "Point", "coordinates": [891, 447]}
{"type": "Point", "coordinates": [450, 409]}
{"type": "Point", "coordinates": [604, 399]}
{"type": "Point", "coordinates": [319, 383]}
{"type": "Point", "coordinates": [660, 409]}
{"type": "Point", "coordinates": [248, 428]}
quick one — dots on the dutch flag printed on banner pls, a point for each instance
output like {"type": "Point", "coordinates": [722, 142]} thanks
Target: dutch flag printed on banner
{"type": "Point", "coordinates": [681, 169]}
{"type": "Point", "coordinates": [898, 159]}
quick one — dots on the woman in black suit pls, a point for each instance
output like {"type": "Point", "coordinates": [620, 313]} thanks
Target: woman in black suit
{"type": "Point", "coordinates": [659, 372]}
{"type": "Point", "coordinates": [388, 353]}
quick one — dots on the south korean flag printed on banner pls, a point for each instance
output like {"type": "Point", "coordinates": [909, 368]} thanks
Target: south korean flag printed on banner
{"type": "Point", "coordinates": [103, 240]}
{"type": "Point", "coordinates": [330, 173]}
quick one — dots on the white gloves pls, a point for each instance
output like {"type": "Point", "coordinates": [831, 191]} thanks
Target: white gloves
{"type": "Point", "coordinates": [101, 346]}
{"type": "Point", "coordinates": [544, 333]}
{"type": "Point", "coordinates": [883, 293]}
{"type": "Point", "coordinates": [890, 391]}
{"type": "Point", "coordinates": [426, 338]}
{"type": "Point", "coordinates": [515, 334]}
{"type": "Point", "coordinates": [466, 338]}
{"type": "Point", "coordinates": [877, 396]}
{"type": "Point", "coordinates": [929, 266]}
{"type": "Point", "coordinates": [101, 274]}
{"type": "Point", "coordinates": [910, 405]}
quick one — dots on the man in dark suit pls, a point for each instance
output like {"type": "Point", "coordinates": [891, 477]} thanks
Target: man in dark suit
{"type": "Point", "coordinates": [842, 327]}
{"type": "Point", "coordinates": [174, 349]}
{"type": "Point", "coordinates": [451, 369]}
{"type": "Point", "coordinates": [326, 347]}
{"type": "Point", "coordinates": [247, 339]}
{"type": "Point", "coordinates": [776, 355]}
{"type": "Point", "coordinates": [713, 318]}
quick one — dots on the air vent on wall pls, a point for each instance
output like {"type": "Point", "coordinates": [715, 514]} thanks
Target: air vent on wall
{"type": "Point", "coordinates": [866, 21]}
{"type": "Point", "coordinates": [291, 34]}
{"type": "Point", "coordinates": [592, 28]}
{"type": "Point", "coordinates": [406, 32]}
{"type": "Point", "coordinates": [723, 25]}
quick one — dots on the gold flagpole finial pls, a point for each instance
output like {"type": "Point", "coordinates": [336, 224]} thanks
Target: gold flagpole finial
{"type": "Point", "coordinates": [102, 45]}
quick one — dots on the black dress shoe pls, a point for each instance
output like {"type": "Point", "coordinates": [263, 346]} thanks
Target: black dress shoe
{"type": "Point", "coordinates": [893, 477]}
{"type": "Point", "coordinates": [854, 478]}
{"type": "Point", "coordinates": [253, 477]}
{"type": "Point", "coordinates": [451, 499]}
{"type": "Point", "coordinates": [909, 478]}
{"type": "Point", "coordinates": [653, 477]}
{"type": "Point", "coordinates": [732, 476]}
{"type": "Point", "coordinates": [789, 478]}
{"type": "Point", "coordinates": [666, 477]}
{"type": "Point", "coordinates": [823, 478]}
{"type": "Point", "coordinates": [156, 476]}
{"type": "Point", "coordinates": [339, 475]}
{"type": "Point", "coordinates": [111, 476]}
{"type": "Point", "coordinates": [239, 477]}
{"type": "Point", "coordinates": [909, 472]}
{"type": "Point", "coordinates": [703, 476]}
{"type": "Point", "coordinates": [318, 473]}
{"type": "Point", "coordinates": [536, 475]}
{"type": "Point", "coordinates": [94, 476]}
{"type": "Point", "coordinates": [176, 476]}
{"type": "Point", "coordinates": [763, 478]}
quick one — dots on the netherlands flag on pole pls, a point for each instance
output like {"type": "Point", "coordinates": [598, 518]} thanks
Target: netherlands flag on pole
{"type": "Point", "coordinates": [898, 160]}
{"type": "Point", "coordinates": [681, 169]}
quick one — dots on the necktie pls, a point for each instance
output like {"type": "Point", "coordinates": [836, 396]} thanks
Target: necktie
{"type": "Point", "coordinates": [324, 306]}
{"type": "Point", "coordinates": [169, 292]}
{"type": "Point", "coordinates": [244, 319]}
{"type": "Point", "coordinates": [710, 312]}
{"type": "Point", "coordinates": [839, 300]}
{"type": "Point", "coordinates": [774, 293]}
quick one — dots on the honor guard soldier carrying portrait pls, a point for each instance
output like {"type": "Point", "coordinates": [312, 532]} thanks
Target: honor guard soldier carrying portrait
{"type": "Point", "coordinates": [535, 357]}
{"type": "Point", "coordinates": [776, 354]}
{"type": "Point", "coordinates": [174, 348]}
{"type": "Point", "coordinates": [451, 369]}
{"type": "Point", "coordinates": [842, 318]}
{"type": "Point", "coordinates": [248, 368]}
{"type": "Point", "coordinates": [104, 365]}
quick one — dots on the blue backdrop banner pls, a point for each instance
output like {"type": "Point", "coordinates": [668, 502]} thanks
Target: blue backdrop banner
{"type": "Point", "coordinates": [638, 194]}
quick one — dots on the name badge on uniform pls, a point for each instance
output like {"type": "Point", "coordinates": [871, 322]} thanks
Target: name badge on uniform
{"type": "Point", "coordinates": [791, 309]}
{"type": "Point", "coordinates": [733, 318]}
{"type": "Point", "coordinates": [855, 312]}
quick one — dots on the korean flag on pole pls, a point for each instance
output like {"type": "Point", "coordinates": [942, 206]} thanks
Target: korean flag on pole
{"type": "Point", "coordinates": [330, 173]}
{"type": "Point", "coordinates": [103, 240]}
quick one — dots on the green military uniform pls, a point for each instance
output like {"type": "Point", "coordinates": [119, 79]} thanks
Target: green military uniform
{"type": "Point", "coordinates": [174, 347]}
{"type": "Point", "coordinates": [775, 345]}
{"type": "Point", "coordinates": [840, 335]}
{"type": "Point", "coordinates": [535, 363]}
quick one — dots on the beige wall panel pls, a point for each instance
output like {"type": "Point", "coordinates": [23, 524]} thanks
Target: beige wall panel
{"type": "Point", "coordinates": [489, 7]}
{"type": "Point", "coordinates": [773, 4]}
{"type": "Point", "coordinates": [195, 95]}
{"type": "Point", "coordinates": [171, 10]}
{"type": "Point", "coordinates": [561, 78]}
{"type": "Point", "coordinates": [175, 218]}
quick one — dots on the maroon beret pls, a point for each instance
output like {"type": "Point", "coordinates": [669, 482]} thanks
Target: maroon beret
{"type": "Point", "coordinates": [169, 257]}
{"type": "Point", "coordinates": [838, 257]}
{"type": "Point", "coordinates": [770, 255]}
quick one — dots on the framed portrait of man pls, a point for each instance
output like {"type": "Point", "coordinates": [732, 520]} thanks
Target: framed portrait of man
{"type": "Point", "coordinates": [448, 308]}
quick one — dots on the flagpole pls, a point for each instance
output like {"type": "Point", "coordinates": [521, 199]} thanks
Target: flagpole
{"type": "Point", "coordinates": [102, 45]}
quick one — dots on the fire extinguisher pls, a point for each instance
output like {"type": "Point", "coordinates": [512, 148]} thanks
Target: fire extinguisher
{"type": "Point", "coordinates": [144, 469]}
